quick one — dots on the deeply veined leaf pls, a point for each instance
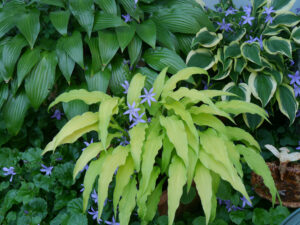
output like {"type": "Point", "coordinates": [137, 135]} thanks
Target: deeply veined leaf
{"type": "Point", "coordinates": [26, 63]}
{"type": "Point", "coordinates": [165, 37]}
{"type": "Point", "coordinates": [203, 182]}
{"type": "Point", "coordinates": [98, 81]}
{"type": "Point", "coordinates": [74, 108]}
{"type": "Point", "coordinates": [275, 45]}
{"type": "Point", "coordinates": [14, 111]}
{"type": "Point", "coordinates": [109, 6]}
{"type": "Point", "coordinates": [256, 162]}
{"type": "Point", "coordinates": [286, 100]}
{"type": "Point", "coordinates": [105, 20]}
{"type": "Point", "coordinates": [83, 10]}
{"type": "Point", "coordinates": [134, 91]}
{"type": "Point", "coordinates": [96, 58]}
{"type": "Point", "coordinates": [29, 26]}
{"type": "Point", "coordinates": [4, 91]}
{"type": "Point", "coordinates": [59, 3]}
{"type": "Point", "coordinates": [60, 20]}
{"type": "Point", "coordinates": [137, 137]}
{"type": "Point", "coordinates": [134, 49]}
{"type": "Point", "coordinates": [202, 58]}
{"type": "Point", "coordinates": [131, 8]}
{"type": "Point", "coordinates": [74, 129]}
{"type": "Point", "coordinates": [125, 35]}
{"type": "Point", "coordinates": [183, 74]}
{"type": "Point", "coordinates": [160, 58]}
{"type": "Point", "coordinates": [176, 181]}
{"type": "Point", "coordinates": [114, 159]}
{"type": "Point", "coordinates": [107, 109]}
{"type": "Point", "coordinates": [128, 202]}
{"type": "Point", "coordinates": [147, 32]}
{"type": "Point", "coordinates": [108, 45]}
{"type": "Point", "coordinates": [168, 148]}
{"type": "Point", "coordinates": [122, 179]}
{"type": "Point", "coordinates": [176, 133]}
{"type": "Point", "coordinates": [262, 86]}
{"type": "Point", "coordinates": [206, 39]}
{"type": "Point", "coordinates": [159, 83]}
{"type": "Point", "coordinates": [296, 35]}
{"type": "Point", "coordinates": [251, 52]}
{"type": "Point", "coordinates": [41, 80]}
{"type": "Point", "coordinates": [81, 94]}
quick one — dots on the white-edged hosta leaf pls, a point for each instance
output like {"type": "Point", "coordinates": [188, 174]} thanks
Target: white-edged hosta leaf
{"type": "Point", "coordinates": [122, 179]}
{"type": "Point", "coordinates": [134, 49]}
{"type": "Point", "coordinates": [74, 129]}
{"type": "Point", "coordinates": [287, 102]}
{"type": "Point", "coordinates": [108, 45]}
{"type": "Point", "coordinates": [176, 181]}
{"type": "Point", "coordinates": [233, 50]}
{"type": "Point", "coordinates": [29, 26]}
{"type": "Point", "coordinates": [14, 111]}
{"type": "Point", "coordinates": [202, 58]}
{"type": "Point", "coordinates": [159, 58]}
{"type": "Point", "coordinates": [262, 86]}
{"type": "Point", "coordinates": [278, 45]}
{"type": "Point", "coordinates": [115, 158]}
{"type": "Point", "coordinates": [125, 35]}
{"type": "Point", "coordinates": [74, 108]}
{"type": "Point", "coordinates": [26, 62]}
{"type": "Point", "coordinates": [287, 19]}
{"type": "Point", "coordinates": [109, 6]}
{"type": "Point", "coordinates": [296, 35]}
{"type": "Point", "coordinates": [98, 81]}
{"type": "Point", "coordinates": [241, 90]}
{"type": "Point", "coordinates": [83, 10]}
{"type": "Point", "coordinates": [40, 81]}
{"type": "Point", "coordinates": [60, 20]}
{"type": "Point", "coordinates": [206, 39]}
{"type": "Point", "coordinates": [282, 5]}
{"type": "Point", "coordinates": [273, 31]}
{"type": "Point", "coordinates": [239, 65]}
{"type": "Point", "coordinates": [4, 91]}
{"type": "Point", "coordinates": [251, 52]}
{"type": "Point", "coordinates": [147, 32]}
{"type": "Point", "coordinates": [105, 20]}
{"type": "Point", "coordinates": [135, 88]}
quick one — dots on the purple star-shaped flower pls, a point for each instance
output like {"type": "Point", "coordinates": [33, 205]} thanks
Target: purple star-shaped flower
{"type": "Point", "coordinates": [260, 40]}
{"type": "Point", "coordinates": [132, 111]}
{"type": "Point", "coordinates": [82, 189]}
{"type": "Point", "coordinates": [57, 114]}
{"type": "Point", "coordinates": [230, 11]}
{"type": "Point", "coordinates": [125, 85]}
{"type": "Point", "coordinates": [138, 119]}
{"type": "Point", "coordinates": [113, 222]}
{"type": "Point", "coordinates": [247, 10]}
{"type": "Point", "coordinates": [248, 19]}
{"type": "Point", "coordinates": [94, 196]}
{"type": "Point", "coordinates": [269, 18]}
{"type": "Point", "coordinates": [295, 79]}
{"type": "Point", "coordinates": [148, 96]}
{"type": "Point", "coordinates": [297, 90]}
{"type": "Point", "coordinates": [268, 11]}
{"type": "Point", "coordinates": [246, 202]}
{"type": "Point", "coordinates": [9, 171]}
{"type": "Point", "coordinates": [224, 26]}
{"type": "Point", "coordinates": [87, 144]}
{"type": "Point", "coordinates": [298, 148]}
{"type": "Point", "coordinates": [251, 40]}
{"type": "Point", "coordinates": [126, 18]}
{"type": "Point", "coordinates": [123, 141]}
{"type": "Point", "coordinates": [47, 170]}
{"type": "Point", "coordinates": [84, 168]}
{"type": "Point", "coordinates": [292, 62]}
{"type": "Point", "coordinates": [94, 214]}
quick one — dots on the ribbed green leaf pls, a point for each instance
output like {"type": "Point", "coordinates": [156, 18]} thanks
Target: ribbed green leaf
{"type": "Point", "coordinates": [26, 63]}
{"type": "Point", "coordinates": [8, 20]}
{"type": "Point", "coordinates": [60, 20]}
{"type": "Point", "coordinates": [131, 8]}
{"type": "Point", "coordinates": [176, 181]}
{"type": "Point", "coordinates": [251, 52]}
{"type": "Point", "coordinates": [3, 93]}
{"type": "Point", "coordinates": [29, 26]}
{"type": "Point", "coordinates": [275, 45]}
{"type": "Point", "coordinates": [59, 3]}
{"type": "Point", "coordinates": [135, 88]}
{"type": "Point", "coordinates": [109, 6]}
{"type": "Point", "coordinates": [150, 76]}
{"type": "Point", "coordinates": [10, 54]}
{"type": "Point", "coordinates": [98, 81]}
{"type": "Point", "coordinates": [160, 58]}
{"type": "Point", "coordinates": [74, 108]}
{"type": "Point", "coordinates": [40, 81]}
{"type": "Point", "coordinates": [147, 32]}
{"type": "Point", "coordinates": [184, 42]}
{"type": "Point", "coordinates": [105, 20]}
{"type": "Point", "coordinates": [96, 58]}
{"type": "Point", "coordinates": [134, 49]}
{"type": "Point", "coordinates": [125, 35]}
{"type": "Point", "coordinates": [83, 10]}
{"type": "Point", "coordinates": [14, 112]}
{"type": "Point", "coordinates": [108, 45]}
{"type": "Point", "coordinates": [202, 58]}
{"type": "Point", "coordinates": [165, 37]}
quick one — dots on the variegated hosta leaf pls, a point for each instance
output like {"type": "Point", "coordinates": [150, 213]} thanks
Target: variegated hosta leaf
{"type": "Point", "coordinates": [287, 19]}
{"type": "Point", "coordinates": [251, 52]}
{"type": "Point", "coordinates": [242, 91]}
{"type": "Point", "coordinates": [202, 58]}
{"type": "Point", "coordinates": [81, 94]}
{"type": "Point", "coordinates": [205, 119]}
{"type": "Point", "coordinates": [282, 5]}
{"type": "Point", "coordinates": [74, 129]}
{"type": "Point", "coordinates": [275, 45]}
{"type": "Point", "coordinates": [206, 39]}
{"type": "Point", "coordinates": [134, 92]}
{"type": "Point", "coordinates": [296, 35]}
{"type": "Point", "coordinates": [262, 86]}
{"type": "Point", "coordinates": [207, 109]}
{"type": "Point", "coordinates": [232, 51]}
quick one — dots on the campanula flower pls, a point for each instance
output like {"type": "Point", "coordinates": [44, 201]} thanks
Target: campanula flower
{"type": "Point", "coordinates": [268, 11]}
{"type": "Point", "coordinates": [224, 26]}
{"type": "Point", "coordinates": [248, 19]}
{"type": "Point", "coordinates": [94, 196]}
{"type": "Point", "coordinates": [132, 111]}
{"type": "Point", "coordinates": [126, 18]}
{"type": "Point", "coordinates": [230, 11]}
{"type": "Point", "coordinates": [124, 141]}
{"type": "Point", "coordinates": [148, 96]}
{"type": "Point", "coordinates": [247, 10]}
{"type": "Point", "coordinates": [298, 148]}
{"type": "Point", "coordinates": [251, 40]}
{"type": "Point", "coordinates": [260, 40]}
{"type": "Point", "coordinates": [297, 90]}
{"type": "Point", "coordinates": [269, 18]}
{"type": "Point", "coordinates": [57, 114]}
{"type": "Point", "coordinates": [125, 86]}
{"type": "Point", "coordinates": [138, 119]}
{"type": "Point", "coordinates": [9, 171]}
{"type": "Point", "coordinates": [82, 189]}
{"type": "Point", "coordinates": [47, 170]}
{"type": "Point", "coordinates": [94, 214]}
{"type": "Point", "coordinates": [113, 222]}
{"type": "Point", "coordinates": [292, 62]}
{"type": "Point", "coordinates": [246, 202]}
{"type": "Point", "coordinates": [295, 79]}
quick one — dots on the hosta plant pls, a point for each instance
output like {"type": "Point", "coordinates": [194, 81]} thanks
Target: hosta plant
{"type": "Point", "coordinates": [173, 135]}
{"type": "Point", "coordinates": [253, 54]}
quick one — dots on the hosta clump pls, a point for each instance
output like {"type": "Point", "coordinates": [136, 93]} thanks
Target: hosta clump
{"type": "Point", "coordinates": [252, 53]}
{"type": "Point", "coordinates": [183, 141]}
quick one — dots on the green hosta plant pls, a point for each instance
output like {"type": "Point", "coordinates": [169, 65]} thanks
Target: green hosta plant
{"type": "Point", "coordinates": [251, 54]}
{"type": "Point", "coordinates": [183, 140]}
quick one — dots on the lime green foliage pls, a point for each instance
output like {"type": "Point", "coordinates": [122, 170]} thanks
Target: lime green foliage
{"type": "Point", "coordinates": [169, 147]}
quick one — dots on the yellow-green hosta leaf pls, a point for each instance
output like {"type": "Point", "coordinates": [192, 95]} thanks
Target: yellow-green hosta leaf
{"type": "Point", "coordinates": [206, 39]}
{"type": "Point", "coordinates": [205, 119]}
{"type": "Point", "coordinates": [136, 85]}
{"type": "Point", "coordinates": [278, 45]}
{"type": "Point", "coordinates": [137, 137]}
{"type": "Point", "coordinates": [128, 202]}
{"type": "Point", "coordinates": [74, 129]}
{"type": "Point", "coordinates": [207, 109]}
{"type": "Point", "coordinates": [176, 133]}
{"type": "Point", "coordinates": [122, 179]}
{"type": "Point", "coordinates": [193, 158]}
{"type": "Point", "coordinates": [251, 52]}
{"type": "Point", "coordinates": [168, 148]}
{"type": "Point", "coordinates": [287, 102]}
{"type": "Point", "coordinates": [107, 109]}
{"type": "Point", "coordinates": [256, 162]}
{"type": "Point", "coordinates": [262, 86]}
{"type": "Point", "coordinates": [287, 19]}
{"type": "Point", "coordinates": [203, 182]}
{"type": "Point", "coordinates": [81, 94]}
{"type": "Point", "coordinates": [216, 93]}
{"type": "Point", "coordinates": [296, 35]}
{"type": "Point", "coordinates": [234, 157]}
{"type": "Point", "coordinates": [159, 83]}
{"type": "Point", "coordinates": [241, 91]}
{"type": "Point", "coordinates": [114, 159]}
{"type": "Point", "coordinates": [176, 181]}
{"type": "Point", "coordinates": [183, 74]}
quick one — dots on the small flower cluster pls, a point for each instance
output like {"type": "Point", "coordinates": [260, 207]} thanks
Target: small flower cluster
{"type": "Point", "coordinates": [230, 207]}
{"type": "Point", "coordinates": [268, 12]}
{"type": "Point", "coordinates": [295, 81]}
{"type": "Point", "coordinates": [248, 18]}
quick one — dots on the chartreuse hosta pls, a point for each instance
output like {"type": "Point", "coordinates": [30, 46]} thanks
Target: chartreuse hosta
{"type": "Point", "coordinates": [170, 147]}
{"type": "Point", "coordinates": [251, 54]}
